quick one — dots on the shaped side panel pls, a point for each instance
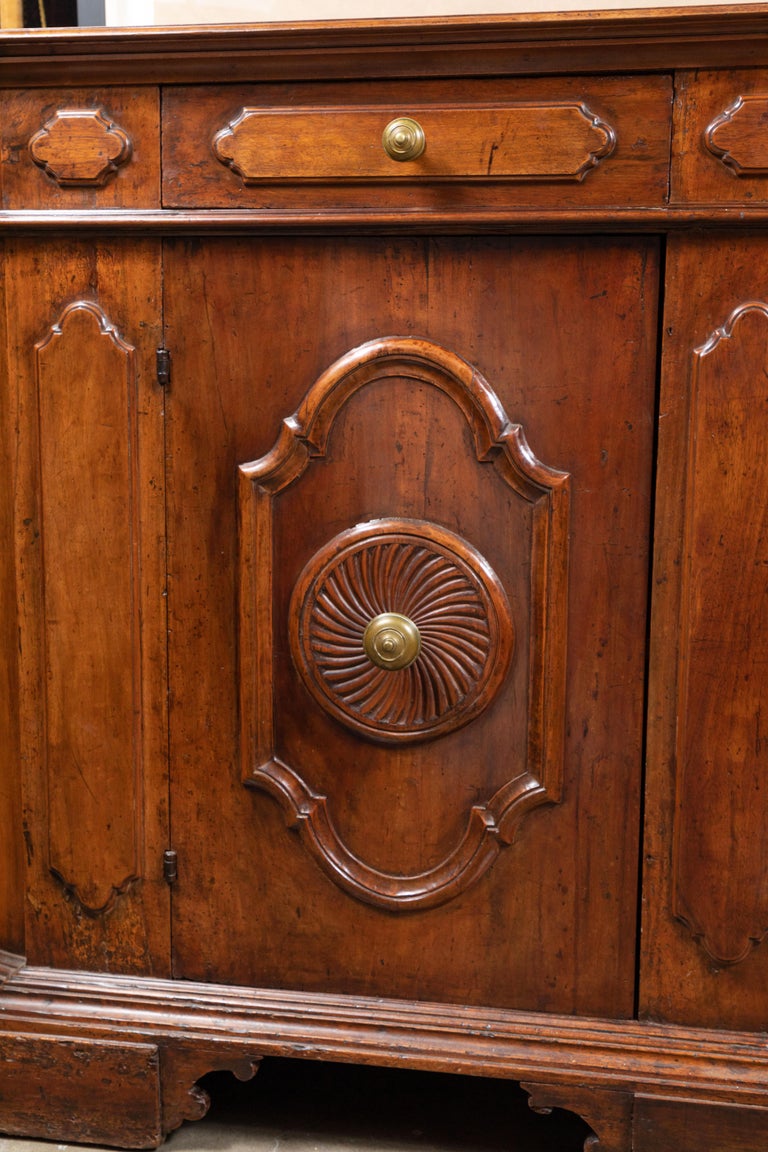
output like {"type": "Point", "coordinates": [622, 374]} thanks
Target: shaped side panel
{"type": "Point", "coordinates": [90, 578]}
{"type": "Point", "coordinates": [705, 864]}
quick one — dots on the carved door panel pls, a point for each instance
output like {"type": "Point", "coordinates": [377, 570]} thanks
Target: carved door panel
{"type": "Point", "coordinates": [408, 520]}
{"type": "Point", "coordinates": [87, 473]}
{"type": "Point", "coordinates": [706, 870]}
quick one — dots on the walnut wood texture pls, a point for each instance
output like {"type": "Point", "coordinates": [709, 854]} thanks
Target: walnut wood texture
{"type": "Point", "coordinates": [46, 1080]}
{"type": "Point", "coordinates": [625, 127]}
{"type": "Point", "coordinates": [677, 1124]}
{"type": "Point", "coordinates": [706, 867]}
{"type": "Point", "coordinates": [403, 811]}
{"type": "Point", "coordinates": [80, 148]}
{"type": "Point", "coordinates": [88, 481]}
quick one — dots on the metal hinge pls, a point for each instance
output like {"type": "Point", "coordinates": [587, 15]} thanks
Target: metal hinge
{"type": "Point", "coordinates": [170, 866]}
{"type": "Point", "coordinates": [163, 367]}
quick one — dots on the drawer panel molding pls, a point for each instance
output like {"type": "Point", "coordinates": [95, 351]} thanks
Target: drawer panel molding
{"type": "Point", "coordinates": [526, 141]}
{"type": "Point", "coordinates": [80, 148]}
{"type": "Point", "coordinates": [738, 138]}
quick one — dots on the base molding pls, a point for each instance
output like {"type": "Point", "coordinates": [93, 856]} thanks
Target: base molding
{"type": "Point", "coordinates": [91, 1039]}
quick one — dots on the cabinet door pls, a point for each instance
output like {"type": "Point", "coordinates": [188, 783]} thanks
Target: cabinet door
{"type": "Point", "coordinates": [87, 479]}
{"type": "Point", "coordinates": [705, 959]}
{"type": "Point", "coordinates": [457, 432]}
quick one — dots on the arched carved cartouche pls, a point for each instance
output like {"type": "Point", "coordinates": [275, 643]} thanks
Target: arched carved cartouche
{"type": "Point", "coordinates": [436, 580]}
{"type": "Point", "coordinates": [94, 782]}
{"type": "Point", "coordinates": [498, 443]}
{"type": "Point", "coordinates": [80, 148]}
{"type": "Point", "coordinates": [542, 141]}
{"type": "Point", "coordinates": [737, 136]}
{"type": "Point", "coordinates": [718, 888]}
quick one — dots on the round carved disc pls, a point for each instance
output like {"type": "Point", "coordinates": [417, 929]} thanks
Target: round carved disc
{"type": "Point", "coordinates": [440, 583]}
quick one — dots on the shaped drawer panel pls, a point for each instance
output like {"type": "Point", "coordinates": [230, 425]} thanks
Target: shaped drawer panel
{"type": "Point", "coordinates": [78, 148]}
{"type": "Point", "coordinates": [545, 142]}
{"type": "Point", "coordinates": [720, 152]}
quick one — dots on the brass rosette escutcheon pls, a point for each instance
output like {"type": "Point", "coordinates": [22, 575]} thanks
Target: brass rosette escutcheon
{"type": "Point", "coordinates": [401, 630]}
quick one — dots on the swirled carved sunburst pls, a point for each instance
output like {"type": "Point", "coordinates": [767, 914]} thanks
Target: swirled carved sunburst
{"type": "Point", "coordinates": [450, 600]}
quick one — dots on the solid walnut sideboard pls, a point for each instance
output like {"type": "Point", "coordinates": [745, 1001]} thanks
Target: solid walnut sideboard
{"type": "Point", "coordinates": [384, 580]}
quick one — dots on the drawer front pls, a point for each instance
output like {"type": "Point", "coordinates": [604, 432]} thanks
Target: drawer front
{"type": "Point", "coordinates": [551, 143]}
{"type": "Point", "coordinates": [720, 151]}
{"type": "Point", "coordinates": [80, 148]}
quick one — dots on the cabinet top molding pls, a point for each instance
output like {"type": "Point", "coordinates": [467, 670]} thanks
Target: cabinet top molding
{"type": "Point", "coordinates": [597, 42]}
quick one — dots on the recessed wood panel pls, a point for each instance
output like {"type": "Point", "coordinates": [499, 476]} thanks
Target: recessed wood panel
{"type": "Point", "coordinates": [721, 858]}
{"type": "Point", "coordinates": [706, 898]}
{"type": "Point", "coordinates": [90, 589]}
{"type": "Point", "coordinates": [86, 377]}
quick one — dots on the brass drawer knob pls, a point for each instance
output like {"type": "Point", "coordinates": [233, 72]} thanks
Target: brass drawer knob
{"type": "Point", "coordinates": [391, 641]}
{"type": "Point", "coordinates": [404, 139]}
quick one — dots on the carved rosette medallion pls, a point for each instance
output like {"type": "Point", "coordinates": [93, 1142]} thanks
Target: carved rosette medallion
{"type": "Point", "coordinates": [443, 588]}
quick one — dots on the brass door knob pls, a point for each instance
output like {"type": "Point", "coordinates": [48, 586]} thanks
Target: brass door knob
{"type": "Point", "coordinates": [391, 641]}
{"type": "Point", "coordinates": [404, 139]}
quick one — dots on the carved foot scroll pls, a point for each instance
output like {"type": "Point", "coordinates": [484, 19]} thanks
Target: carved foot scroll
{"type": "Point", "coordinates": [609, 1114]}
{"type": "Point", "coordinates": [182, 1097]}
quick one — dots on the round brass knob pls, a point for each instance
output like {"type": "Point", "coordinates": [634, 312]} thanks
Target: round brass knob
{"type": "Point", "coordinates": [391, 641]}
{"type": "Point", "coordinates": [404, 139]}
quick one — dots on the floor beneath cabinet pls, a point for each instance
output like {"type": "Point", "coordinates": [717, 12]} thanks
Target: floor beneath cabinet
{"type": "Point", "coordinates": [298, 1106]}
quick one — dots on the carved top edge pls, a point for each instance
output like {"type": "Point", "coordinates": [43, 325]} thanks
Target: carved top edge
{"type": "Point", "coordinates": [633, 41]}
{"type": "Point", "coordinates": [725, 331]}
{"type": "Point", "coordinates": [305, 433]}
{"type": "Point", "coordinates": [587, 25]}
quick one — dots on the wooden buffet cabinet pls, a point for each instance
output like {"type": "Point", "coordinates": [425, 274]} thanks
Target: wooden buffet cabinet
{"type": "Point", "coordinates": [384, 574]}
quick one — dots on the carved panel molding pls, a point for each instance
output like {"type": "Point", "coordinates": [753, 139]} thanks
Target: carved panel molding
{"type": "Point", "coordinates": [542, 140]}
{"type": "Point", "coordinates": [92, 741]}
{"type": "Point", "coordinates": [360, 573]}
{"type": "Point", "coordinates": [720, 860]}
{"type": "Point", "coordinates": [80, 148]}
{"type": "Point", "coordinates": [737, 136]}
